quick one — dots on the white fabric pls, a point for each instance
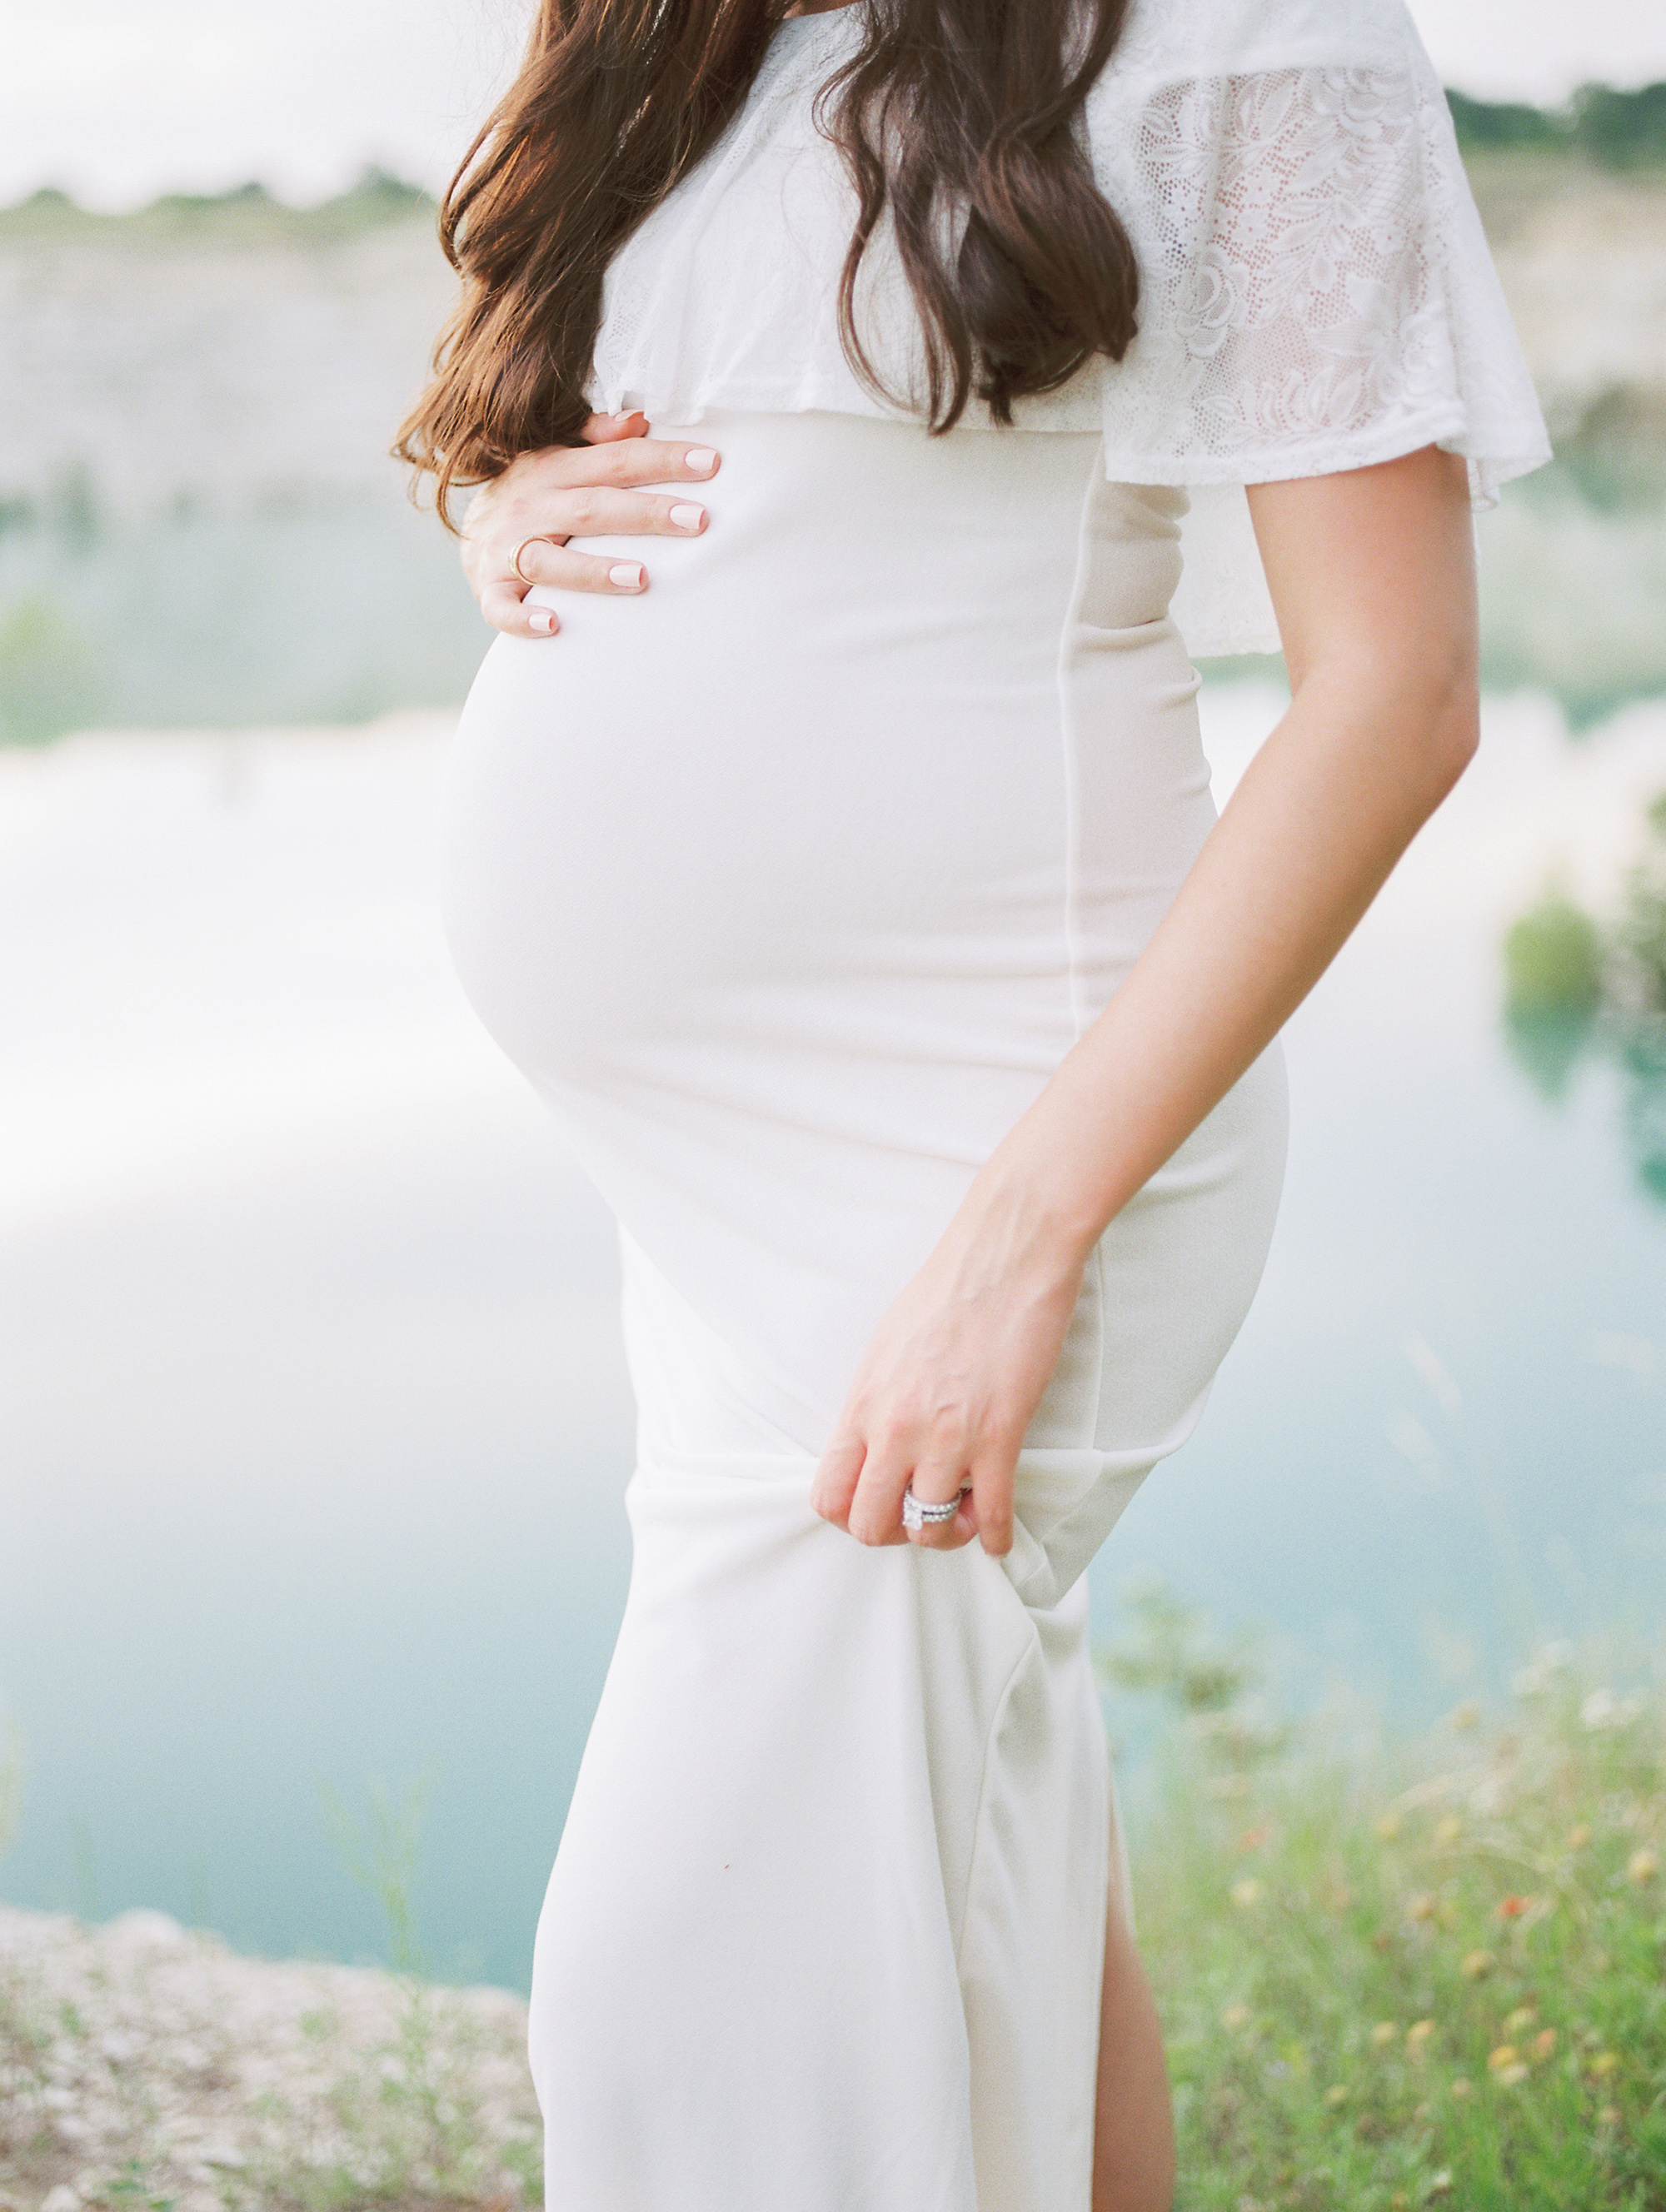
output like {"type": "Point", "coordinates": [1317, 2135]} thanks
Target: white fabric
{"type": "Point", "coordinates": [788, 885]}
{"type": "Point", "coordinates": [1316, 290]}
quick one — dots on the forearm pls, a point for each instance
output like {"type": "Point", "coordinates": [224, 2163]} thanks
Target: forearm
{"type": "Point", "coordinates": [1319, 820]}
{"type": "Point", "coordinates": [1371, 573]}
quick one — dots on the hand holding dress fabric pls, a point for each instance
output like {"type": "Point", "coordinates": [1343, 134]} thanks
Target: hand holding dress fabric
{"type": "Point", "coordinates": [519, 525]}
{"type": "Point", "coordinates": [950, 1379]}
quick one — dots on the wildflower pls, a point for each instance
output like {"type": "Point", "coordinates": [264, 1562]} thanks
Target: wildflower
{"type": "Point", "coordinates": [1337, 2093]}
{"type": "Point", "coordinates": [1534, 1680]}
{"type": "Point", "coordinates": [1421, 1906]}
{"type": "Point", "coordinates": [1466, 1716]}
{"type": "Point", "coordinates": [1236, 2015]}
{"type": "Point", "coordinates": [1604, 2064]}
{"type": "Point", "coordinates": [1246, 1891]}
{"type": "Point", "coordinates": [1578, 1836]}
{"type": "Point", "coordinates": [1511, 2078]}
{"type": "Point", "coordinates": [1504, 2055]}
{"type": "Point", "coordinates": [1440, 2182]}
{"type": "Point", "coordinates": [1524, 2016]}
{"type": "Point", "coordinates": [1384, 2031]}
{"type": "Point", "coordinates": [1608, 2117]}
{"type": "Point", "coordinates": [1462, 2086]}
{"type": "Point", "coordinates": [1643, 1866]}
{"type": "Point", "coordinates": [1417, 2036]}
{"type": "Point", "coordinates": [1476, 1964]}
{"type": "Point", "coordinates": [1449, 1829]}
{"type": "Point", "coordinates": [1543, 2044]}
{"type": "Point", "coordinates": [1253, 1839]}
{"type": "Point", "coordinates": [1603, 1710]}
{"type": "Point", "coordinates": [1512, 1908]}
{"type": "Point", "coordinates": [1390, 1826]}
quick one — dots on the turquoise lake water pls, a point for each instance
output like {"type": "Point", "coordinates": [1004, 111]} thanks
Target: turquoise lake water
{"type": "Point", "coordinates": [317, 1423]}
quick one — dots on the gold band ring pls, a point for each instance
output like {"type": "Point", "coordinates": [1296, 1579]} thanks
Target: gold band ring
{"type": "Point", "coordinates": [520, 548]}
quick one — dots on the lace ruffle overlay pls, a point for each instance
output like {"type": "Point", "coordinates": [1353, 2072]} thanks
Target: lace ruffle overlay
{"type": "Point", "coordinates": [1316, 291]}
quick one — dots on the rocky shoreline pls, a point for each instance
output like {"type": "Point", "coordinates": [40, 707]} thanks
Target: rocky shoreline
{"type": "Point", "coordinates": [142, 2065]}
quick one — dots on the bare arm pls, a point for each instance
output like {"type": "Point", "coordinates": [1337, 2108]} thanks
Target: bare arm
{"type": "Point", "coordinates": [1372, 577]}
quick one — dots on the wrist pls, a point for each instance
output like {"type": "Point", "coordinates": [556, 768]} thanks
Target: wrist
{"type": "Point", "coordinates": [1026, 1192]}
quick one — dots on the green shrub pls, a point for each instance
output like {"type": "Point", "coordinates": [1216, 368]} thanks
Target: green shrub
{"type": "Point", "coordinates": [1418, 1973]}
{"type": "Point", "coordinates": [1572, 984]}
{"type": "Point", "coordinates": [48, 676]}
{"type": "Point", "coordinates": [1552, 959]}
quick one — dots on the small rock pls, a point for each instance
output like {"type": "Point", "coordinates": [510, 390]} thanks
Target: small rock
{"type": "Point", "coordinates": [61, 2199]}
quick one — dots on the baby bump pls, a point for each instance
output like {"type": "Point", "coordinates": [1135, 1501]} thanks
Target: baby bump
{"type": "Point", "coordinates": [823, 756]}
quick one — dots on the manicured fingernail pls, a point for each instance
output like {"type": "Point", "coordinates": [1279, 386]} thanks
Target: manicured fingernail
{"type": "Point", "coordinates": [687, 517]}
{"type": "Point", "coordinates": [541, 620]}
{"type": "Point", "coordinates": [702, 460]}
{"type": "Point", "coordinates": [627, 575]}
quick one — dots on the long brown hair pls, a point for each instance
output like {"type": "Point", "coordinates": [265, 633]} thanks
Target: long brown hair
{"type": "Point", "coordinates": [950, 109]}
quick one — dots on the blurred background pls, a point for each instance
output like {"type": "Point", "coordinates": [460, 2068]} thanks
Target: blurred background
{"type": "Point", "coordinates": [314, 1424]}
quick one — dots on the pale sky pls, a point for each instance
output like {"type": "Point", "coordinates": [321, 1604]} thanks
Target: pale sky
{"type": "Point", "coordinates": [119, 99]}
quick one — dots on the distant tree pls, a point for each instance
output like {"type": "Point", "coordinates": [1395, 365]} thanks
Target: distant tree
{"type": "Point", "coordinates": [1484, 126]}
{"type": "Point", "coordinates": [1614, 129]}
{"type": "Point", "coordinates": [1621, 129]}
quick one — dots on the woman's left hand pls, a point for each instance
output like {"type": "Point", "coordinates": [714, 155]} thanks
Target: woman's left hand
{"type": "Point", "coordinates": [953, 1374]}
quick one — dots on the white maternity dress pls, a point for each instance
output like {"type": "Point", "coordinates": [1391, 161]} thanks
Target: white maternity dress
{"type": "Point", "coordinates": [788, 886]}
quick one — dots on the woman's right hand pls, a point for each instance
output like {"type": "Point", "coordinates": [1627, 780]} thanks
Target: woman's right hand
{"type": "Point", "coordinates": [577, 491]}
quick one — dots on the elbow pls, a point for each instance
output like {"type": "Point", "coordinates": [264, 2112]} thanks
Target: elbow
{"type": "Point", "coordinates": [1452, 725]}
{"type": "Point", "coordinates": [1430, 707]}
{"type": "Point", "coordinates": [1420, 717]}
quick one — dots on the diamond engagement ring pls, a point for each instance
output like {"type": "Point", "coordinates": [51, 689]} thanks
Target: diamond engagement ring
{"type": "Point", "coordinates": [918, 1515]}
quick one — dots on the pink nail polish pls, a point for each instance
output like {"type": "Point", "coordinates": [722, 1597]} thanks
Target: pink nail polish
{"type": "Point", "coordinates": [542, 620]}
{"type": "Point", "coordinates": [627, 575]}
{"type": "Point", "coordinates": [702, 460]}
{"type": "Point", "coordinates": [686, 516]}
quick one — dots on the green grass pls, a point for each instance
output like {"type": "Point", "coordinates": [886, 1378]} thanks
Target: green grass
{"type": "Point", "coordinates": [1414, 1973]}
{"type": "Point", "coordinates": [1393, 1972]}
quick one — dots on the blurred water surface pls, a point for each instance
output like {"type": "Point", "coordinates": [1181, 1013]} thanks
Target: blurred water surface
{"type": "Point", "coordinates": [317, 1423]}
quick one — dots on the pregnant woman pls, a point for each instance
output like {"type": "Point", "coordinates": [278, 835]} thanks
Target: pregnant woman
{"type": "Point", "coordinates": [857, 903]}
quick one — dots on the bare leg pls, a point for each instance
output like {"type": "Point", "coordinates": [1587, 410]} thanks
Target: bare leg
{"type": "Point", "coordinates": [1133, 2128]}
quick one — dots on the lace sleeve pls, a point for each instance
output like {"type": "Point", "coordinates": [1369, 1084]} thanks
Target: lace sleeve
{"type": "Point", "coordinates": [1318, 292]}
